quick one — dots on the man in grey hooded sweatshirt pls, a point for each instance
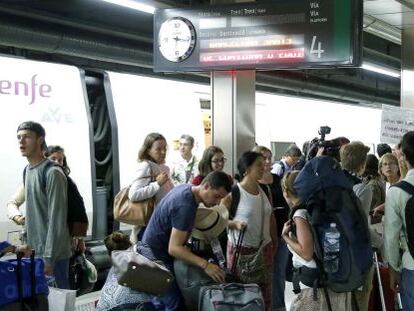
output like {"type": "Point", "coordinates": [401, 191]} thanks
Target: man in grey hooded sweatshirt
{"type": "Point", "coordinates": [46, 204]}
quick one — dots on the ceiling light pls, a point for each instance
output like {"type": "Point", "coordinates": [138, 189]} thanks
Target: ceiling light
{"type": "Point", "coordinates": [381, 69]}
{"type": "Point", "coordinates": [135, 5]}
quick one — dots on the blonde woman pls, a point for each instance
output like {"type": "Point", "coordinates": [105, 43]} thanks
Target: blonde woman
{"type": "Point", "coordinates": [389, 170]}
{"type": "Point", "coordinates": [298, 236]}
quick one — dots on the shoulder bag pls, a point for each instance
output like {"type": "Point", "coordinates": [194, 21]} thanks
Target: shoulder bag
{"type": "Point", "coordinates": [133, 213]}
{"type": "Point", "coordinates": [252, 267]}
{"type": "Point", "coordinates": [140, 273]}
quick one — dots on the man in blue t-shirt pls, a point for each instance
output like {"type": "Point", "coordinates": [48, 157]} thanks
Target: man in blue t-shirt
{"type": "Point", "coordinates": [171, 225]}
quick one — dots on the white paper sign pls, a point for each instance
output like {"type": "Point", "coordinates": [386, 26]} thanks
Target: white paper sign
{"type": "Point", "coordinates": [395, 122]}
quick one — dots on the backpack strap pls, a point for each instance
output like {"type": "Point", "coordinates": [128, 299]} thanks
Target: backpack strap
{"type": "Point", "coordinates": [24, 175]}
{"type": "Point", "coordinates": [235, 199]}
{"type": "Point", "coordinates": [405, 186]}
{"type": "Point", "coordinates": [409, 236]}
{"type": "Point", "coordinates": [49, 164]}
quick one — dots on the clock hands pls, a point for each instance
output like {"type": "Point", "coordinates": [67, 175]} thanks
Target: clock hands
{"type": "Point", "coordinates": [176, 38]}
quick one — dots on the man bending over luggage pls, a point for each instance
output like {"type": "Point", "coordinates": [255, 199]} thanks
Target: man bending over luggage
{"type": "Point", "coordinates": [171, 225]}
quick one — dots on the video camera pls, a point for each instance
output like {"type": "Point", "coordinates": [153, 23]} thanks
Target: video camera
{"type": "Point", "coordinates": [330, 147]}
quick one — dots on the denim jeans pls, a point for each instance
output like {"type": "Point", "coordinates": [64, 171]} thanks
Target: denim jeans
{"type": "Point", "coordinates": [60, 277]}
{"type": "Point", "coordinates": [407, 293]}
{"type": "Point", "coordinates": [172, 300]}
{"type": "Point", "coordinates": [279, 275]}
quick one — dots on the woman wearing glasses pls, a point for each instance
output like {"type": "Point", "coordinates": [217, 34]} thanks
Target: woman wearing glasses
{"type": "Point", "coordinates": [389, 170]}
{"type": "Point", "coordinates": [213, 160]}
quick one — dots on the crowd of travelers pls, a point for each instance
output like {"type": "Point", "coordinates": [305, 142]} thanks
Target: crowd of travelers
{"type": "Point", "coordinates": [270, 223]}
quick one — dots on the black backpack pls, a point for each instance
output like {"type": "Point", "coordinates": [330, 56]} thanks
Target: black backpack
{"type": "Point", "coordinates": [328, 197]}
{"type": "Point", "coordinates": [77, 218]}
{"type": "Point", "coordinates": [409, 214]}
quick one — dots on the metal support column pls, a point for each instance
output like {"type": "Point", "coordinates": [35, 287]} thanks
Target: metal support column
{"type": "Point", "coordinates": [233, 113]}
{"type": "Point", "coordinates": [407, 67]}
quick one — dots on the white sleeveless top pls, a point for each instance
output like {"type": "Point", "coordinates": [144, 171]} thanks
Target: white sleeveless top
{"type": "Point", "coordinates": [251, 210]}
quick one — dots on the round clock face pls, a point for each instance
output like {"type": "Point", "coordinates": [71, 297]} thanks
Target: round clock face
{"type": "Point", "coordinates": [176, 39]}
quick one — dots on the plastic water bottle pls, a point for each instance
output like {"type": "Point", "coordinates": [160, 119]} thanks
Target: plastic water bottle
{"type": "Point", "coordinates": [218, 252]}
{"type": "Point", "coordinates": [331, 249]}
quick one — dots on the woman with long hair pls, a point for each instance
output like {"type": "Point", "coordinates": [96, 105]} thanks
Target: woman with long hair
{"type": "Point", "coordinates": [213, 160]}
{"type": "Point", "coordinates": [152, 175]}
{"type": "Point", "coordinates": [254, 216]}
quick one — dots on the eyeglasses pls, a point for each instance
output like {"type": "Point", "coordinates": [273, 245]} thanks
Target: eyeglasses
{"type": "Point", "coordinates": [222, 160]}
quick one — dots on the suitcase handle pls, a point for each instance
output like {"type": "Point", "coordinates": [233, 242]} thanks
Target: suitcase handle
{"type": "Point", "coordinates": [233, 286]}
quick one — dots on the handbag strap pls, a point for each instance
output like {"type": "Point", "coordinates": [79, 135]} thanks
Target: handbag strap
{"type": "Point", "coordinates": [263, 215]}
{"type": "Point", "coordinates": [151, 175]}
{"type": "Point", "coordinates": [237, 252]}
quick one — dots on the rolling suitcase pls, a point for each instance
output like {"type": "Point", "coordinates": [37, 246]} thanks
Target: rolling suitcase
{"type": "Point", "coordinates": [30, 286]}
{"type": "Point", "coordinates": [231, 296]}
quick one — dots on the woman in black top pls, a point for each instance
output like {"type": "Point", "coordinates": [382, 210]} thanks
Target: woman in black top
{"type": "Point", "coordinates": [271, 184]}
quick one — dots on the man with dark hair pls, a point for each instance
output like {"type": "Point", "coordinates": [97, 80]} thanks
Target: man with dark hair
{"type": "Point", "coordinates": [46, 204]}
{"type": "Point", "coordinates": [383, 149]}
{"type": "Point", "coordinates": [172, 223]}
{"type": "Point", "coordinates": [289, 159]}
{"type": "Point", "coordinates": [395, 227]}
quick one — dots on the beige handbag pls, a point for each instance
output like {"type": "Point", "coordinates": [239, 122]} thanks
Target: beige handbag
{"type": "Point", "coordinates": [133, 213]}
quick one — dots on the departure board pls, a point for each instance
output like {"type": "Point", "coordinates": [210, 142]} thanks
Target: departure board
{"type": "Point", "coordinates": [293, 34]}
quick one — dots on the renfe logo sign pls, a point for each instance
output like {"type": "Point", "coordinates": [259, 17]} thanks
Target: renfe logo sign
{"type": "Point", "coordinates": [53, 95]}
{"type": "Point", "coordinates": [31, 89]}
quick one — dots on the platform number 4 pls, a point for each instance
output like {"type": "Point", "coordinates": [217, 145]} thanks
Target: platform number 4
{"type": "Point", "coordinates": [318, 51]}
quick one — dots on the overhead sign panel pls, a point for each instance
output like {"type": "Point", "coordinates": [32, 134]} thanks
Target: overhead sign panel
{"type": "Point", "coordinates": [290, 34]}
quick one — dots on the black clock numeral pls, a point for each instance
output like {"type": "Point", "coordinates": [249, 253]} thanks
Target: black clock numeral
{"type": "Point", "coordinates": [177, 25]}
{"type": "Point", "coordinates": [177, 53]}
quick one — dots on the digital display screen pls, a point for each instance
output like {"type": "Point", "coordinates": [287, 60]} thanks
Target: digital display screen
{"type": "Point", "coordinates": [294, 34]}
